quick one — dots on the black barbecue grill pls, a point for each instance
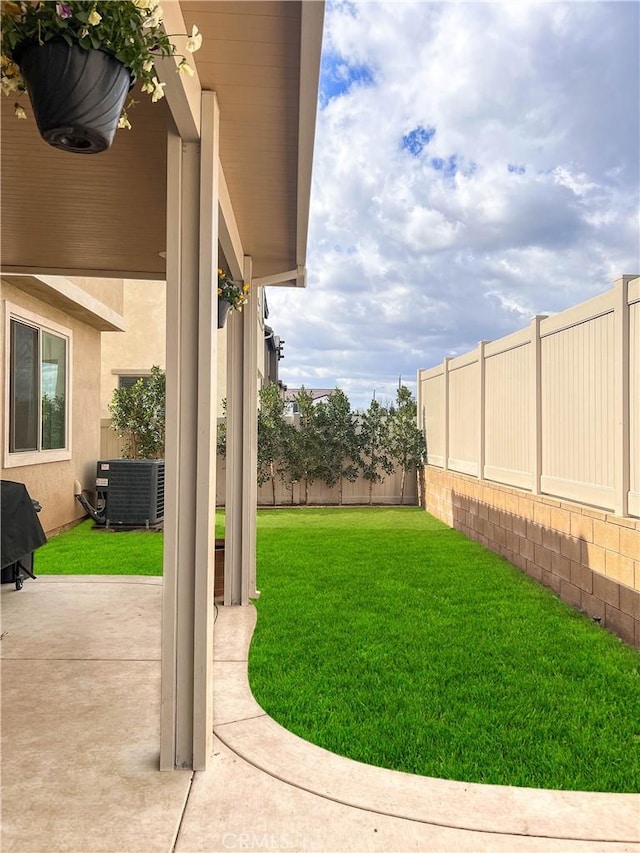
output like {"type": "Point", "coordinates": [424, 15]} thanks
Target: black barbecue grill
{"type": "Point", "coordinates": [20, 532]}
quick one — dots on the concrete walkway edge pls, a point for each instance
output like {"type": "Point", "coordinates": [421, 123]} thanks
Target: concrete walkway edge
{"type": "Point", "coordinates": [244, 727]}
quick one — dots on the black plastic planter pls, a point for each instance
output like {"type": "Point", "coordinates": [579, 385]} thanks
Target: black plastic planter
{"type": "Point", "coordinates": [223, 310]}
{"type": "Point", "coordinates": [77, 95]}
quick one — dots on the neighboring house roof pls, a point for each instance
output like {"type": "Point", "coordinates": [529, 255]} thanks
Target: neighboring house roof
{"type": "Point", "coordinates": [316, 393]}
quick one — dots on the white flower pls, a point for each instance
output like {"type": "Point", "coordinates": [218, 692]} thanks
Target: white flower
{"type": "Point", "coordinates": [19, 111]}
{"type": "Point", "coordinates": [148, 65]}
{"type": "Point", "coordinates": [123, 122]}
{"type": "Point", "coordinates": [94, 18]}
{"type": "Point", "coordinates": [157, 92]}
{"type": "Point", "coordinates": [185, 68]}
{"type": "Point", "coordinates": [194, 42]}
{"type": "Point", "coordinates": [10, 84]}
{"type": "Point", "coordinates": [143, 4]}
{"type": "Point", "coordinates": [153, 19]}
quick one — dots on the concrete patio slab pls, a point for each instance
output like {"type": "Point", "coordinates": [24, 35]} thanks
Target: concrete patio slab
{"type": "Point", "coordinates": [89, 617]}
{"type": "Point", "coordinates": [80, 697]}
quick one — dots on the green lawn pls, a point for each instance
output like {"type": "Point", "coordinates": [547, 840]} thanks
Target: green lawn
{"type": "Point", "coordinates": [385, 636]}
{"type": "Point", "coordinates": [89, 550]}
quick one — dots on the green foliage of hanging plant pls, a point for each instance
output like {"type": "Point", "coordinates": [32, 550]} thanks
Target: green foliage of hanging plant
{"type": "Point", "coordinates": [130, 30]}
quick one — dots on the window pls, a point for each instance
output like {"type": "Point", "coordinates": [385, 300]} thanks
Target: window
{"type": "Point", "coordinates": [38, 390]}
{"type": "Point", "coordinates": [130, 381]}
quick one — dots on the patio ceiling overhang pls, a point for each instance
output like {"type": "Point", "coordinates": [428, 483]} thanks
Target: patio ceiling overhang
{"type": "Point", "coordinates": [105, 215]}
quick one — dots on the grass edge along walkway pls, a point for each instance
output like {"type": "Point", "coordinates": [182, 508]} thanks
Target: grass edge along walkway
{"type": "Point", "coordinates": [385, 636]}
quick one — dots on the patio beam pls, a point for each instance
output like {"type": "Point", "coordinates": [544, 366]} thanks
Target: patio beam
{"type": "Point", "coordinates": [228, 234]}
{"type": "Point", "coordinates": [181, 91]}
{"type": "Point", "coordinates": [310, 48]}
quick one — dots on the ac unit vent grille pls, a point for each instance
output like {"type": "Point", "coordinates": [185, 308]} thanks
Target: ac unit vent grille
{"type": "Point", "coordinates": [134, 491]}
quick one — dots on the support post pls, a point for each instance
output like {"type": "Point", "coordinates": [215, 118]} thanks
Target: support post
{"type": "Point", "coordinates": [445, 414]}
{"type": "Point", "coordinates": [242, 451]}
{"type": "Point", "coordinates": [536, 396]}
{"type": "Point", "coordinates": [250, 321]}
{"type": "Point", "coordinates": [234, 484]}
{"type": "Point", "coordinates": [183, 190]}
{"type": "Point", "coordinates": [186, 721]}
{"type": "Point", "coordinates": [205, 438]}
{"type": "Point", "coordinates": [481, 408]}
{"type": "Point", "coordinates": [622, 466]}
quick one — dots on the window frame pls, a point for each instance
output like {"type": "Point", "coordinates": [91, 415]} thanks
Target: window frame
{"type": "Point", "coordinates": [19, 458]}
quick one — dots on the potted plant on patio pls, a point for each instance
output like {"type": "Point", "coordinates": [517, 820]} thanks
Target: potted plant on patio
{"type": "Point", "coordinates": [232, 295]}
{"type": "Point", "coordinates": [78, 60]}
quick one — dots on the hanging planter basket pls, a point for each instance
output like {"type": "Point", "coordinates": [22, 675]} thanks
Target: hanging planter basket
{"type": "Point", "coordinates": [223, 310]}
{"type": "Point", "coordinates": [77, 95]}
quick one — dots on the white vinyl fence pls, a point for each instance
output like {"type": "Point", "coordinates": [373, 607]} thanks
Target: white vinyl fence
{"type": "Point", "coordinates": [553, 408]}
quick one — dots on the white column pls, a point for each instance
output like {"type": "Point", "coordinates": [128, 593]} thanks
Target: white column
{"type": "Point", "coordinates": [187, 610]}
{"type": "Point", "coordinates": [242, 452]}
{"type": "Point", "coordinates": [183, 191]}
{"type": "Point", "coordinates": [250, 441]}
{"type": "Point", "coordinates": [234, 484]}
{"type": "Point", "coordinates": [205, 438]}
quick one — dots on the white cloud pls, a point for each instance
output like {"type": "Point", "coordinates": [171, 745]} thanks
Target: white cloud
{"type": "Point", "coordinates": [524, 201]}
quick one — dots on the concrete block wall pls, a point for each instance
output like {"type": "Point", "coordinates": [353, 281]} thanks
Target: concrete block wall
{"type": "Point", "coordinates": [590, 558]}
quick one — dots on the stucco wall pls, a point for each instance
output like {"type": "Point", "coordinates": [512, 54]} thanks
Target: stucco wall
{"type": "Point", "coordinates": [51, 483]}
{"type": "Point", "coordinates": [108, 290]}
{"type": "Point", "coordinates": [142, 345]}
{"type": "Point", "coordinates": [589, 557]}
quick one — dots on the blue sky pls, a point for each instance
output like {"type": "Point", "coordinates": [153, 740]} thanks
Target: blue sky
{"type": "Point", "coordinates": [475, 164]}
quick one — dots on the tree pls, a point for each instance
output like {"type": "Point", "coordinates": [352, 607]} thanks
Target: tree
{"type": "Point", "coordinates": [138, 416]}
{"type": "Point", "coordinates": [272, 431]}
{"type": "Point", "coordinates": [304, 451]}
{"type": "Point", "coordinates": [375, 458]}
{"type": "Point", "coordinates": [406, 440]}
{"type": "Point", "coordinates": [336, 424]}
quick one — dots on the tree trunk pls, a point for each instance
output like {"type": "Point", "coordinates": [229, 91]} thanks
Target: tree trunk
{"type": "Point", "coordinates": [341, 486]}
{"type": "Point", "coordinates": [306, 492]}
{"type": "Point", "coordinates": [273, 482]}
{"type": "Point", "coordinates": [370, 492]}
{"type": "Point", "coordinates": [404, 473]}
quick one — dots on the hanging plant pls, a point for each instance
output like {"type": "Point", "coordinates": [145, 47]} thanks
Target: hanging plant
{"type": "Point", "coordinates": [77, 61]}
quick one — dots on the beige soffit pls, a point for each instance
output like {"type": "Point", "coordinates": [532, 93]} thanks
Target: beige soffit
{"type": "Point", "coordinates": [104, 215]}
{"type": "Point", "coordinates": [63, 294]}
